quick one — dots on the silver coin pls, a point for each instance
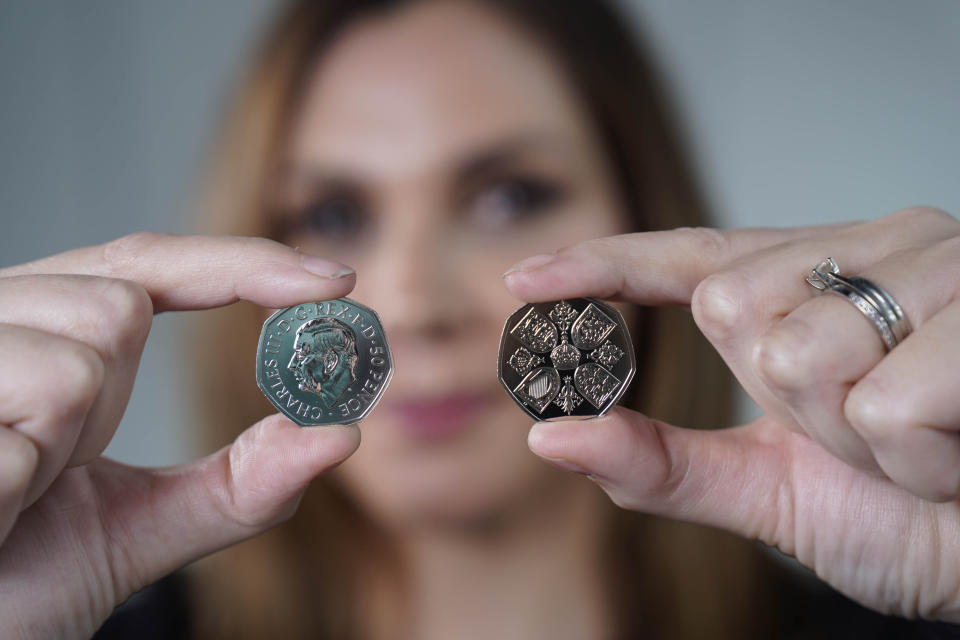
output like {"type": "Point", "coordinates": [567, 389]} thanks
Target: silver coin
{"type": "Point", "coordinates": [324, 362]}
{"type": "Point", "coordinates": [566, 358]}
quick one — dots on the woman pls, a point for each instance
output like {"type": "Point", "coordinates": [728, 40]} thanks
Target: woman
{"type": "Point", "coordinates": [430, 145]}
{"type": "Point", "coordinates": [461, 165]}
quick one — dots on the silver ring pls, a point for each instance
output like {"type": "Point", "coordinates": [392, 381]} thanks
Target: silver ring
{"type": "Point", "coordinates": [872, 300]}
{"type": "Point", "coordinates": [885, 304]}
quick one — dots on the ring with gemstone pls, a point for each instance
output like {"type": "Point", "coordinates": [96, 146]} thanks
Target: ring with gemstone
{"type": "Point", "coordinates": [872, 300]}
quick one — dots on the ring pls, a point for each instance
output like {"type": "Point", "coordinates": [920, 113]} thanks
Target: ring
{"type": "Point", "coordinates": [872, 300]}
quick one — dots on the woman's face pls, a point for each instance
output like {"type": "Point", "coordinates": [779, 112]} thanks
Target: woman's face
{"type": "Point", "coordinates": [434, 147]}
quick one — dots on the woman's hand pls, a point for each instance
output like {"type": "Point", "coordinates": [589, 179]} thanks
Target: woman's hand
{"type": "Point", "coordinates": [854, 468]}
{"type": "Point", "coordinates": [79, 533]}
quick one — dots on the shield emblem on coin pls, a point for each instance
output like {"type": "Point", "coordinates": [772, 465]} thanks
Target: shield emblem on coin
{"type": "Point", "coordinates": [567, 358]}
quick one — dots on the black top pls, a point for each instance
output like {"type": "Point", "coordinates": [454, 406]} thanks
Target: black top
{"type": "Point", "coordinates": [161, 612]}
{"type": "Point", "coordinates": [158, 612]}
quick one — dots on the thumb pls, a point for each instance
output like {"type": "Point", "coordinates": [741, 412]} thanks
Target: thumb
{"type": "Point", "coordinates": [173, 516]}
{"type": "Point", "coordinates": [729, 478]}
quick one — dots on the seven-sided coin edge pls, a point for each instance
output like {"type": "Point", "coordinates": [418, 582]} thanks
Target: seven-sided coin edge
{"type": "Point", "coordinates": [324, 362]}
{"type": "Point", "coordinates": [566, 359]}
{"type": "Point", "coordinates": [328, 362]}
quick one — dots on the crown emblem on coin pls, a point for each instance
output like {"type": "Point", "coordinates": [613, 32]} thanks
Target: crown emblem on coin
{"type": "Point", "coordinates": [569, 358]}
{"type": "Point", "coordinates": [564, 355]}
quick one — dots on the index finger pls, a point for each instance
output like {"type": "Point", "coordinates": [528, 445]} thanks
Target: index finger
{"type": "Point", "coordinates": [652, 268]}
{"type": "Point", "coordinates": [202, 272]}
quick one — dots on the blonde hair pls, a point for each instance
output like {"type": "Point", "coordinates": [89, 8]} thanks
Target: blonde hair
{"type": "Point", "coordinates": [300, 580]}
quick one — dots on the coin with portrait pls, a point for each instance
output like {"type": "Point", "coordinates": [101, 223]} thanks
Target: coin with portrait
{"type": "Point", "coordinates": [324, 362]}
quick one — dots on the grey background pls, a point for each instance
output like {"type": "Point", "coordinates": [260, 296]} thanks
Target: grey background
{"type": "Point", "coordinates": [797, 113]}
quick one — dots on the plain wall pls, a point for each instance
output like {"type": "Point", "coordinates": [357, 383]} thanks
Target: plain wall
{"type": "Point", "coordinates": [795, 112]}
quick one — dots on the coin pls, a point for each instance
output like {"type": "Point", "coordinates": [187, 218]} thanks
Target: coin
{"type": "Point", "coordinates": [566, 358]}
{"type": "Point", "coordinates": [324, 362]}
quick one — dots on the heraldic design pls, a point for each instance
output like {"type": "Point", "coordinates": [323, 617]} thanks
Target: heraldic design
{"type": "Point", "coordinates": [565, 358]}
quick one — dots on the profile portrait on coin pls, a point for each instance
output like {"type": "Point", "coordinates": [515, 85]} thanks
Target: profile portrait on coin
{"type": "Point", "coordinates": [430, 146]}
{"type": "Point", "coordinates": [325, 358]}
{"type": "Point", "coordinates": [497, 178]}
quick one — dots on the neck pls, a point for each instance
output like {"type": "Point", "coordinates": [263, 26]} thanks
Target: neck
{"type": "Point", "coordinates": [534, 575]}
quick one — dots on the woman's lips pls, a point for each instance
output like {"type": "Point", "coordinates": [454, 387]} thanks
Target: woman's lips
{"type": "Point", "coordinates": [438, 417]}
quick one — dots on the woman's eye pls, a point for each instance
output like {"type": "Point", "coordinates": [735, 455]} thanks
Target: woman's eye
{"type": "Point", "coordinates": [512, 200]}
{"type": "Point", "coordinates": [336, 219]}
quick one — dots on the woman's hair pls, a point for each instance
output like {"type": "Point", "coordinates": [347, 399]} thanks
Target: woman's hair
{"type": "Point", "coordinates": [665, 579]}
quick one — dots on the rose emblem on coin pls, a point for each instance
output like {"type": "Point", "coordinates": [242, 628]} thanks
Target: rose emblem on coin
{"type": "Point", "coordinates": [324, 362]}
{"type": "Point", "coordinates": [567, 358]}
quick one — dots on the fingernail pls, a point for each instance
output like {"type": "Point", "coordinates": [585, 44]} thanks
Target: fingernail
{"type": "Point", "coordinates": [597, 480]}
{"type": "Point", "coordinates": [325, 268]}
{"type": "Point", "coordinates": [531, 263]}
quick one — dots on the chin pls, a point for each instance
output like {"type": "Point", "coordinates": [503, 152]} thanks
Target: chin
{"type": "Point", "coordinates": [476, 478]}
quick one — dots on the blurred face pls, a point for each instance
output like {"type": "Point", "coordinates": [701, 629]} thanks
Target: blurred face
{"type": "Point", "coordinates": [434, 147]}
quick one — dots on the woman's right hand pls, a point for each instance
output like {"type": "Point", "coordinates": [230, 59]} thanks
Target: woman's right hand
{"type": "Point", "coordinates": [854, 465]}
{"type": "Point", "coordinates": [79, 533]}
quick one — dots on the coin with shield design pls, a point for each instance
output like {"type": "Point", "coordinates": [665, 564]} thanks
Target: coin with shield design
{"type": "Point", "coordinates": [323, 363]}
{"type": "Point", "coordinates": [566, 359]}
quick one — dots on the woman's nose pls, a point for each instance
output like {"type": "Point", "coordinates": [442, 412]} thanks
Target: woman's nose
{"type": "Point", "coordinates": [413, 280]}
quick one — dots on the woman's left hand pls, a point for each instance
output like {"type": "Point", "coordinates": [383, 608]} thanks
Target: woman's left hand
{"type": "Point", "coordinates": [854, 467]}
